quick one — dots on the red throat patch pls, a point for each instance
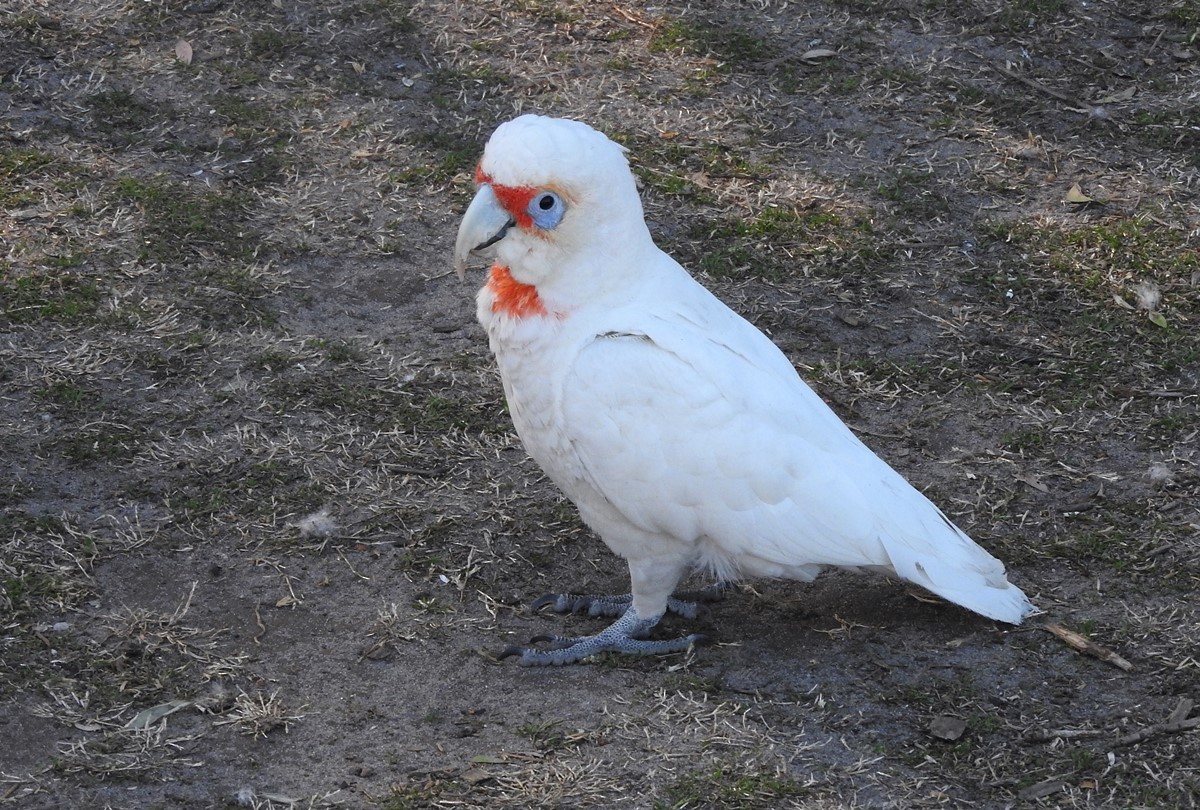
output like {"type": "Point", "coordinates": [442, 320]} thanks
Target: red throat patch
{"type": "Point", "coordinates": [513, 298]}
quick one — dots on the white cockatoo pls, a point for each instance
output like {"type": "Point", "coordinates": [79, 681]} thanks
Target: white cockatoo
{"type": "Point", "coordinates": [680, 431]}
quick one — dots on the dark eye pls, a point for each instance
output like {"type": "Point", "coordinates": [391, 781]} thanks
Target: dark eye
{"type": "Point", "coordinates": [546, 209]}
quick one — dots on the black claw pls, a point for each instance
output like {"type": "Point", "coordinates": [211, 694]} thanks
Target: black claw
{"type": "Point", "coordinates": [544, 600]}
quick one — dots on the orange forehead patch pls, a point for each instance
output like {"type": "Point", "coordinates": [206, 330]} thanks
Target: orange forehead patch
{"type": "Point", "coordinates": [511, 297]}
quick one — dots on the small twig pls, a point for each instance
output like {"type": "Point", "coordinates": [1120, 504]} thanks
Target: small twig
{"type": "Point", "coordinates": [425, 472]}
{"type": "Point", "coordinates": [1041, 88]}
{"type": "Point", "coordinates": [1154, 731]}
{"type": "Point", "coordinates": [342, 557]}
{"type": "Point", "coordinates": [1182, 710]}
{"type": "Point", "coordinates": [1086, 645]}
{"type": "Point", "coordinates": [262, 628]}
{"type": "Point", "coordinates": [1126, 391]}
{"type": "Point", "coordinates": [1061, 733]}
{"type": "Point", "coordinates": [1044, 788]}
{"type": "Point", "coordinates": [184, 606]}
{"type": "Point", "coordinates": [635, 20]}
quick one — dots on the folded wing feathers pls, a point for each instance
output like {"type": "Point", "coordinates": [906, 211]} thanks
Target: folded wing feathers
{"type": "Point", "coordinates": [711, 437]}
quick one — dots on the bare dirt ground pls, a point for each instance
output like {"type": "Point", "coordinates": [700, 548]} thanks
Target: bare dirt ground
{"type": "Point", "coordinates": [264, 521]}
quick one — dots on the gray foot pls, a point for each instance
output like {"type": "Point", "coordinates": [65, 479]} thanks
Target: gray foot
{"type": "Point", "coordinates": [625, 635]}
{"type": "Point", "coordinates": [593, 605]}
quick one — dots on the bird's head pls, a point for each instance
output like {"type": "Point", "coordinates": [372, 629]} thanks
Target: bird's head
{"type": "Point", "coordinates": [556, 206]}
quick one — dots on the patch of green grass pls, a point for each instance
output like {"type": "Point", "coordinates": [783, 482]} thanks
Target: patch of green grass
{"type": "Point", "coordinates": [181, 222]}
{"type": "Point", "coordinates": [1187, 14]}
{"type": "Point", "coordinates": [546, 11]}
{"type": "Point", "coordinates": [341, 351]}
{"type": "Point", "coordinates": [397, 15]}
{"type": "Point", "coordinates": [898, 76]}
{"type": "Point", "coordinates": [271, 42]}
{"type": "Point", "coordinates": [667, 165]}
{"type": "Point", "coordinates": [17, 166]}
{"type": "Point", "coordinates": [1075, 273]}
{"type": "Point", "coordinates": [419, 795]}
{"type": "Point", "coordinates": [847, 85]}
{"type": "Point", "coordinates": [123, 112]}
{"type": "Point", "coordinates": [1171, 130]}
{"type": "Point", "coordinates": [26, 592]}
{"type": "Point", "coordinates": [777, 242]}
{"type": "Point", "coordinates": [481, 75]}
{"type": "Point", "coordinates": [1019, 16]}
{"type": "Point", "coordinates": [42, 567]}
{"type": "Point", "coordinates": [449, 155]}
{"type": "Point", "coordinates": [431, 409]}
{"type": "Point", "coordinates": [729, 789]}
{"type": "Point", "coordinates": [243, 487]}
{"type": "Point", "coordinates": [66, 396]}
{"type": "Point", "coordinates": [64, 296]}
{"type": "Point", "coordinates": [244, 114]}
{"type": "Point", "coordinates": [872, 7]}
{"type": "Point", "coordinates": [914, 195]}
{"type": "Point", "coordinates": [544, 736]}
{"type": "Point", "coordinates": [101, 441]}
{"type": "Point", "coordinates": [1031, 441]}
{"type": "Point", "coordinates": [729, 44]}
{"type": "Point", "coordinates": [262, 157]}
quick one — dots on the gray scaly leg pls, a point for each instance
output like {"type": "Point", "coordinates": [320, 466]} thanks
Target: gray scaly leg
{"type": "Point", "coordinates": [625, 635]}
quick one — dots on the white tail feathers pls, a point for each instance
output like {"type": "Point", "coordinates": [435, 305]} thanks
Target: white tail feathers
{"type": "Point", "coordinates": [964, 574]}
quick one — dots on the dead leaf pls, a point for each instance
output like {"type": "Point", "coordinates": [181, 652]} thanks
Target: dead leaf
{"type": "Point", "coordinates": [146, 717]}
{"type": "Point", "coordinates": [1033, 481]}
{"type": "Point", "coordinates": [1121, 302]}
{"type": "Point", "coordinates": [489, 759]}
{"type": "Point", "coordinates": [476, 775]}
{"type": "Point", "coordinates": [816, 54]}
{"type": "Point", "coordinates": [1075, 195]}
{"type": "Point", "coordinates": [1123, 95]}
{"type": "Point", "coordinates": [1158, 319]}
{"type": "Point", "coordinates": [183, 51]}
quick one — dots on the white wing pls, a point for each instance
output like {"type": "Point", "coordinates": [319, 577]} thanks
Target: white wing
{"type": "Point", "coordinates": [692, 424]}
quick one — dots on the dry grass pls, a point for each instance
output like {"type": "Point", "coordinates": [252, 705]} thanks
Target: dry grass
{"type": "Point", "coordinates": [252, 436]}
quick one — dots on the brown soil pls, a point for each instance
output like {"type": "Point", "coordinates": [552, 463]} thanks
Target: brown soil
{"type": "Point", "coordinates": [264, 521]}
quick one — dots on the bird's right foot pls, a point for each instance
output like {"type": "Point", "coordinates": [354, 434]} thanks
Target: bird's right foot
{"type": "Point", "coordinates": [595, 605]}
{"type": "Point", "coordinates": [626, 635]}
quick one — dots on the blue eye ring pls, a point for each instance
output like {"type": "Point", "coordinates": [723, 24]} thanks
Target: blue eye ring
{"type": "Point", "coordinates": [546, 209]}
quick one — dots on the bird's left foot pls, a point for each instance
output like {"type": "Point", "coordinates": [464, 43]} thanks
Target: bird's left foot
{"type": "Point", "coordinates": [625, 635]}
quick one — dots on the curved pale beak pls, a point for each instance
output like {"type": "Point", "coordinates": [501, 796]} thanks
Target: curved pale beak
{"type": "Point", "coordinates": [485, 223]}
